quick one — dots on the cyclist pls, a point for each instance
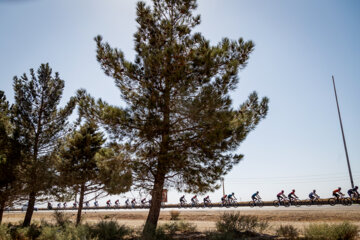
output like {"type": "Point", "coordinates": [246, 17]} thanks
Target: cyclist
{"type": "Point", "coordinates": [117, 202]}
{"type": "Point", "coordinates": [49, 205]}
{"type": "Point", "coordinates": [64, 204]}
{"type": "Point", "coordinates": [255, 196]}
{"type": "Point", "coordinates": [108, 203]}
{"type": "Point", "coordinates": [353, 192]}
{"type": "Point", "coordinates": [133, 202]}
{"type": "Point", "coordinates": [194, 200]}
{"type": "Point", "coordinates": [96, 203]}
{"type": "Point", "coordinates": [143, 201]}
{"type": "Point", "coordinates": [74, 205]}
{"type": "Point", "coordinates": [182, 200]}
{"type": "Point", "coordinates": [292, 195]}
{"type": "Point", "coordinates": [207, 200]}
{"type": "Point", "coordinates": [59, 205]}
{"type": "Point", "coordinates": [337, 192]}
{"type": "Point", "coordinates": [223, 199]}
{"type": "Point", "coordinates": [127, 202]}
{"type": "Point", "coordinates": [281, 196]}
{"type": "Point", "coordinates": [231, 197]}
{"type": "Point", "coordinates": [87, 204]}
{"type": "Point", "coordinates": [313, 196]}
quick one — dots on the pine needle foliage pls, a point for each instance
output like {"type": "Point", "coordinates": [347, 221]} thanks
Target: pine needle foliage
{"type": "Point", "coordinates": [179, 124]}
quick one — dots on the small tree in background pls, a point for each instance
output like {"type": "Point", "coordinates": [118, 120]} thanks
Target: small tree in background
{"type": "Point", "coordinates": [86, 167]}
{"type": "Point", "coordinates": [40, 124]}
{"type": "Point", "coordinates": [179, 126]}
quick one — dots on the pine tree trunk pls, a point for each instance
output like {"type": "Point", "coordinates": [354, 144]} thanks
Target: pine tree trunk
{"type": "Point", "coordinates": [81, 200]}
{"type": "Point", "coordinates": [30, 209]}
{"type": "Point", "coordinates": [153, 217]}
{"type": "Point", "coordinates": [2, 207]}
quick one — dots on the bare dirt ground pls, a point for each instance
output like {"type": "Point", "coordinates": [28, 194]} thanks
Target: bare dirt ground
{"type": "Point", "coordinates": [206, 219]}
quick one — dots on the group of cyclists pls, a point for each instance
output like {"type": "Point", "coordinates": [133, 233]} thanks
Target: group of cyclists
{"type": "Point", "coordinates": [226, 199]}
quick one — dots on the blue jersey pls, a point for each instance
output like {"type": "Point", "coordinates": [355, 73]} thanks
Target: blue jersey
{"type": "Point", "coordinates": [254, 195]}
{"type": "Point", "coordinates": [230, 196]}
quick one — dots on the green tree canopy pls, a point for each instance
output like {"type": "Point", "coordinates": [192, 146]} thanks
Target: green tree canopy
{"type": "Point", "coordinates": [179, 124]}
{"type": "Point", "coordinates": [41, 123]}
{"type": "Point", "coordinates": [86, 167]}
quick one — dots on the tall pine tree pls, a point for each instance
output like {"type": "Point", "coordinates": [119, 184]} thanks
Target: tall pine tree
{"type": "Point", "coordinates": [179, 124]}
{"type": "Point", "coordinates": [41, 123]}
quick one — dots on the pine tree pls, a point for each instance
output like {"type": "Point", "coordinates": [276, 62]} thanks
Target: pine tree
{"type": "Point", "coordinates": [41, 123]}
{"type": "Point", "coordinates": [10, 156]}
{"type": "Point", "coordinates": [86, 167]}
{"type": "Point", "coordinates": [179, 124]}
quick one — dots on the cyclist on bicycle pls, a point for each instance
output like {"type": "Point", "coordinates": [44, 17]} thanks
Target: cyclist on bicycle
{"type": "Point", "coordinates": [207, 200]}
{"type": "Point", "coordinates": [313, 196]}
{"type": "Point", "coordinates": [59, 205]}
{"type": "Point", "coordinates": [65, 204]}
{"type": "Point", "coordinates": [87, 204]}
{"type": "Point", "coordinates": [117, 202]}
{"type": "Point", "coordinates": [127, 202]}
{"type": "Point", "coordinates": [194, 200]}
{"type": "Point", "coordinates": [353, 192]}
{"type": "Point", "coordinates": [96, 203]}
{"type": "Point", "coordinates": [182, 200]}
{"type": "Point", "coordinates": [108, 203]}
{"type": "Point", "coordinates": [231, 197]}
{"type": "Point", "coordinates": [255, 196]}
{"type": "Point", "coordinates": [49, 205]}
{"type": "Point", "coordinates": [143, 201]}
{"type": "Point", "coordinates": [292, 195]}
{"type": "Point", "coordinates": [133, 202]}
{"type": "Point", "coordinates": [281, 196]}
{"type": "Point", "coordinates": [223, 199]}
{"type": "Point", "coordinates": [337, 192]}
{"type": "Point", "coordinates": [74, 205]}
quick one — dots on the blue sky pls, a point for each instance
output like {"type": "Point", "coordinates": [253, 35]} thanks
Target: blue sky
{"type": "Point", "coordinates": [299, 46]}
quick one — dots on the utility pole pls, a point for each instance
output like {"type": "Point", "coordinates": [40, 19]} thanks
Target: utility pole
{"type": "Point", "coordinates": [223, 185]}
{"type": "Point", "coordinates": [343, 135]}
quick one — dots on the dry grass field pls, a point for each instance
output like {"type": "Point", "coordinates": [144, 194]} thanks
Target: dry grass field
{"type": "Point", "coordinates": [206, 219]}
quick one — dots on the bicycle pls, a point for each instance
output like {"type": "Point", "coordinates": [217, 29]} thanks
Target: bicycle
{"type": "Point", "coordinates": [207, 204]}
{"type": "Point", "coordinates": [314, 201]}
{"type": "Point", "coordinates": [258, 202]}
{"type": "Point", "coordinates": [285, 202]}
{"type": "Point", "coordinates": [195, 204]}
{"type": "Point", "coordinates": [340, 200]}
{"type": "Point", "coordinates": [231, 203]}
{"type": "Point", "coordinates": [183, 204]}
{"type": "Point", "coordinates": [295, 202]}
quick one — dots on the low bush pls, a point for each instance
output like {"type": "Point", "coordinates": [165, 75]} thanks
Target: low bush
{"type": "Point", "coordinates": [108, 230]}
{"type": "Point", "coordinates": [288, 232]}
{"type": "Point", "coordinates": [180, 227]}
{"type": "Point", "coordinates": [61, 218]}
{"type": "Point", "coordinates": [237, 224]}
{"type": "Point", "coordinates": [174, 215]}
{"type": "Point", "coordinates": [343, 231]}
{"type": "Point", "coordinates": [4, 235]}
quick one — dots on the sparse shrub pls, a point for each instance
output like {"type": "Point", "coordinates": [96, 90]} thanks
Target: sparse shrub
{"type": "Point", "coordinates": [4, 235]}
{"type": "Point", "coordinates": [287, 231]}
{"type": "Point", "coordinates": [106, 217]}
{"type": "Point", "coordinates": [181, 227]}
{"type": "Point", "coordinates": [174, 215]}
{"type": "Point", "coordinates": [343, 231]}
{"type": "Point", "coordinates": [61, 218]}
{"type": "Point", "coordinates": [160, 234]}
{"type": "Point", "coordinates": [237, 223]}
{"type": "Point", "coordinates": [108, 230]}
{"type": "Point", "coordinates": [66, 232]}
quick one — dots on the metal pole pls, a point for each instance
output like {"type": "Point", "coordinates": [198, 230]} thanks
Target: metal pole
{"type": "Point", "coordinates": [343, 135]}
{"type": "Point", "coordinates": [223, 185]}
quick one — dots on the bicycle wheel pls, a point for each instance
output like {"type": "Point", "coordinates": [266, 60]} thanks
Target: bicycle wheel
{"type": "Point", "coordinates": [260, 203]}
{"type": "Point", "coordinates": [346, 201]}
{"type": "Point", "coordinates": [332, 201]}
{"type": "Point", "coordinates": [251, 204]}
{"type": "Point", "coordinates": [286, 203]}
{"type": "Point", "coordinates": [276, 203]}
{"type": "Point", "coordinates": [297, 203]}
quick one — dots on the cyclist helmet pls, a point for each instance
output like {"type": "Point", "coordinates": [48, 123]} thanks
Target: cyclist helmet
{"type": "Point", "coordinates": [282, 191]}
{"type": "Point", "coordinates": [257, 191]}
{"type": "Point", "coordinates": [356, 187]}
{"type": "Point", "coordinates": [293, 190]}
{"type": "Point", "coordinates": [339, 188]}
{"type": "Point", "coordinates": [314, 190]}
{"type": "Point", "coordinates": [233, 193]}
